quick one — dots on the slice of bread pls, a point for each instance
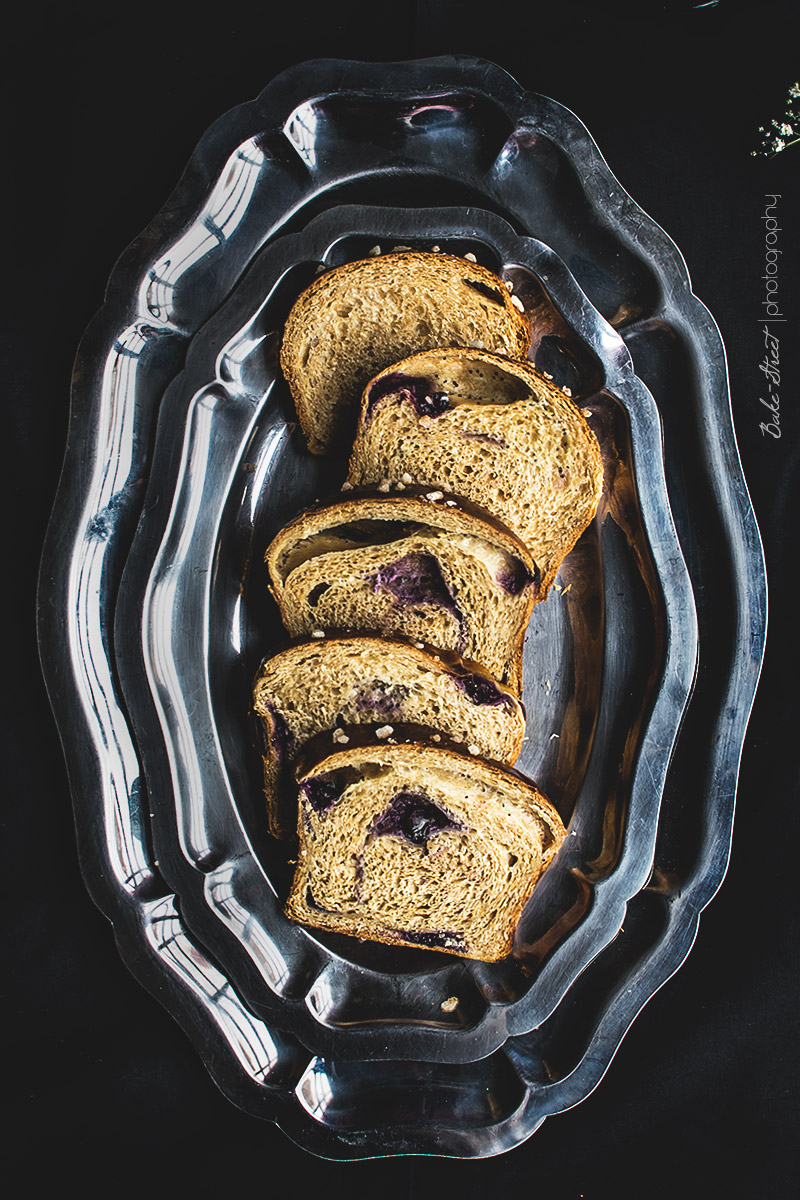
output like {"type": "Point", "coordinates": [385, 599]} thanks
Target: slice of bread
{"type": "Point", "coordinates": [358, 318]}
{"type": "Point", "coordinates": [323, 684]}
{"type": "Point", "coordinates": [432, 570]}
{"type": "Point", "coordinates": [492, 430]}
{"type": "Point", "coordinates": [413, 844]}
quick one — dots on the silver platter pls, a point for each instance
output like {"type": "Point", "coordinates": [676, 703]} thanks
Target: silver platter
{"type": "Point", "coordinates": [184, 456]}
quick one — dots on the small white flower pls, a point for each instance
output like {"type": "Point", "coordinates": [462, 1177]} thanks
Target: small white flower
{"type": "Point", "coordinates": [406, 478]}
{"type": "Point", "coordinates": [374, 252]}
{"type": "Point", "coordinates": [341, 737]}
{"type": "Point", "coordinates": [471, 257]}
{"type": "Point", "coordinates": [515, 300]}
{"type": "Point", "coordinates": [385, 731]}
{"type": "Point", "coordinates": [318, 633]}
{"type": "Point", "coordinates": [434, 496]}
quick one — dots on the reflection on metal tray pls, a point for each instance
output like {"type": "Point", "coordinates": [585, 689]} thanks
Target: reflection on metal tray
{"type": "Point", "coordinates": [198, 927]}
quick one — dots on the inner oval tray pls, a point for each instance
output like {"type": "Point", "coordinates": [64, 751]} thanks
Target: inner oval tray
{"type": "Point", "coordinates": [450, 131]}
{"type": "Point", "coordinates": [609, 660]}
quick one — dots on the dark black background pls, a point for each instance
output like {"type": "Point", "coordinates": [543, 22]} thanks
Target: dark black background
{"type": "Point", "coordinates": [102, 109]}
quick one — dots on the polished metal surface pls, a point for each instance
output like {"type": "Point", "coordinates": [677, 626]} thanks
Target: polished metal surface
{"type": "Point", "coordinates": [229, 468]}
{"type": "Point", "coordinates": [184, 457]}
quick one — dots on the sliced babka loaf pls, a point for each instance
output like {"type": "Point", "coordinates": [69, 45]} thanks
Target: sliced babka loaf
{"type": "Point", "coordinates": [433, 570]}
{"type": "Point", "coordinates": [492, 430]}
{"type": "Point", "coordinates": [356, 319]}
{"type": "Point", "coordinates": [417, 844]}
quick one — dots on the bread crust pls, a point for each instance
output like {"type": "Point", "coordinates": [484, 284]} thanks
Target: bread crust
{"type": "Point", "coordinates": [318, 754]}
{"type": "Point", "coordinates": [450, 284]}
{"type": "Point", "coordinates": [455, 514]}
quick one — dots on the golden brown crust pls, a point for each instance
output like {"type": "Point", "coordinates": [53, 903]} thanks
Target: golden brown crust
{"type": "Point", "coordinates": [323, 747]}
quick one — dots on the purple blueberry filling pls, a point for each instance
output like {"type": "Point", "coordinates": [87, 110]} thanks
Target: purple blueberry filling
{"type": "Point", "coordinates": [416, 579]}
{"type": "Point", "coordinates": [433, 938]}
{"type": "Point", "coordinates": [415, 817]}
{"type": "Point", "coordinates": [382, 699]}
{"type": "Point", "coordinates": [281, 739]}
{"type": "Point", "coordinates": [518, 577]}
{"type": "Point", "coordinates": [480, 690]}
{"type": "Point", "coordinates": [415, 390]}
{"type": "Point", "coordinates": [322, 792]}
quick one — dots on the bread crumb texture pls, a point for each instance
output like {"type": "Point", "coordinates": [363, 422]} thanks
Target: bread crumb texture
{"type": "Point", "coordinates": [359, 318]}
{"type": "Point", "coordinates": [508, 440]}
{"type": "Point", "coordinates": [373, 681]}
{"type": "Point", "coordinates": [415, 845]}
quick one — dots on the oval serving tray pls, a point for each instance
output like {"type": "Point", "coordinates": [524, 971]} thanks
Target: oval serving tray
{"type": "Point", "coordinates": [465, 129]}
{"type": "Point", "coordinates": [606, 682]}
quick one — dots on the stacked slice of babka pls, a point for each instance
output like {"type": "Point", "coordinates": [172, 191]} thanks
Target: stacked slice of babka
{"type": "Point", "coordinates": [392, 721]}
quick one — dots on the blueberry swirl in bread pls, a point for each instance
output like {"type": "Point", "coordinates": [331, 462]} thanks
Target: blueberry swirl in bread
{"type": "Point", "coordinates": [321, 684]}
{"type": "Point", "coordinates": [415, 843]}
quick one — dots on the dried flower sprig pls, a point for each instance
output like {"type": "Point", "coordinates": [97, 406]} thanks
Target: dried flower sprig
{"type": "Point", "coordinates": [784, 133]}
